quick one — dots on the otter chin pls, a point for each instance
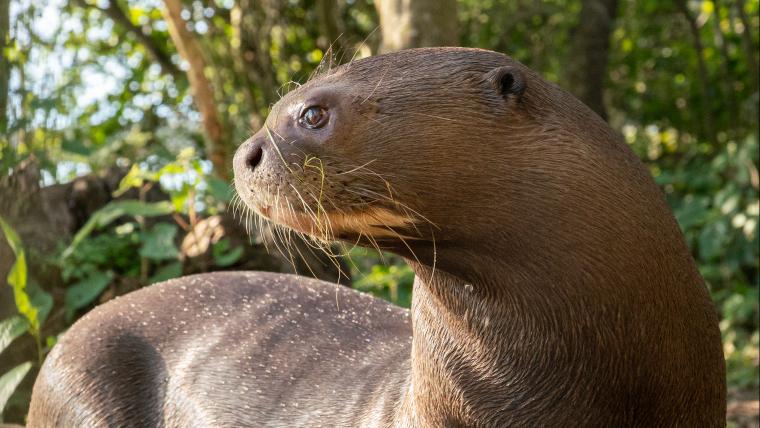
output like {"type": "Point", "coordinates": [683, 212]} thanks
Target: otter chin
{"type": "Point", "coordinates": [329, 226]}
{"type": "Point", "coordinates": [552, 284]}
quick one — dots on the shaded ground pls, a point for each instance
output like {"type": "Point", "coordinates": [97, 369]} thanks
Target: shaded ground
{"type": "Point", "coordinates": [743, 409]}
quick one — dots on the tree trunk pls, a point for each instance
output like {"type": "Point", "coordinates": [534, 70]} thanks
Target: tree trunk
{"type": "Point", "coordinates": [705, 119]}
{"type": "Point", "coordinates": [331, 29]}
{"type": "Point", "coordinates": [4, 64]}
{"type": "Point", "coordinates": [750, 49]}
{"type": "Point", "coordinates": [417, 23]}
{"type": "Point", "coordinates": [727, 83]}
{"type": "Point", "coordinates": [589, 53]}
{"type": "Point", "coordinates": [217, 132]}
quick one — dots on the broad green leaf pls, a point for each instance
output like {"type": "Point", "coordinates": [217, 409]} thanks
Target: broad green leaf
{"type": "Point", "coordinates": [712, 240]}
{"type": "Point", "coordinates": [41, 299]}
{"type": "Point", "coordinates": [158, 243]}
{"type": "Point", "coordinates": [50, 341]}
{"type": "Point", "coordinates": [10, 329]}
{"type": "Point", "coordinates": [180, 198]}
{"type": "Point", "coordinates": [10, 380]}
{"type": "Point", "coordinates": [220, 189]}
{"type": "Point", "coordinates": [84, 292]}
{"type": "Point", "coordinates": [692, 212]}
{"type": "Point", "coordinates": [13, 239]}
{"type": "Point", "coordinates": [134, 179]}
{"type": "Point", "coordinates": [17, 279]}
{"type": "Point", "coordinates": [113, 211]}
{"type": "Point", "coordinates": [172, 270]}
{"type": "Point", "coordinates": [224, 257]}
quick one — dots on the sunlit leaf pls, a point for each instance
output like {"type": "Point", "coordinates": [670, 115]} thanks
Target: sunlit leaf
{"type": "Point", "coordinates": [17, 279]}
{"type": "Point", "coordinates": [172, 270]}
{"type": "Point", "coordinates": [87, 290]}
{"type": "Point", "coordinates": [10, 380]}
{"type": "Point", "coordinates": [158, 243]}
{"type": "Point", "coordinates": [10, 329]}
{"type": "Point", "coordinates": [113, 211]}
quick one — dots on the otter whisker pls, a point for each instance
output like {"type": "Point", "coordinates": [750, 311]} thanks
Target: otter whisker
{"type": "Point", "coordinates": [308, 209]}
{"type": "Point", "coordinates": [277, 149]}
{"type": "Point", "coordinates": [438, 117]}
{"type": "Point", "coordinates": [364, 42]}
{"type": "Point", "coordinates": [275, 234]}
{"type": "Point", "coordinates": [305, 261]}
{"type": "Point", "coordinates": [356, 169]}
{"type": "Point", "coordinates": [376, 86]}
{"type": "Point", "coordinates": [399, 236]}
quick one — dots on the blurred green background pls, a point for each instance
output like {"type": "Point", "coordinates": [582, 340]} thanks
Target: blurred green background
{"type": "Point", "coordinates": [118, 120]}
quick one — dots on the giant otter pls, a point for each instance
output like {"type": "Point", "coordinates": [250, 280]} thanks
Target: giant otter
{"type": "Point", "coordinates": [553, 287]}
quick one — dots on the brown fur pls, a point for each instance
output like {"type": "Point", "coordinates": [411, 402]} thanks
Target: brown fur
{"type": "Point", "coordinates": [553, 286]}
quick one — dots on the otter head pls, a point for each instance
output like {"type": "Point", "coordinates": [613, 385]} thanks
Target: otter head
{"type": "Point", "coordinates": [407, 151]}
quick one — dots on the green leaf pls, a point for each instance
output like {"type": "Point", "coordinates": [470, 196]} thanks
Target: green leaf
{"type": "Point", "coordinates": [712, 240]}
{"type": "Point", "coordinates": [13, 239]}
{"type": "Point", "coordinates": [17, 279]}
{"type": "Point", "coordinates": [224, 257]}
{"type": "Point", "coordinates": [158, 243]}
{"type": "Point", "coordinates": [692, 212]}
{"type": "Point", "coordinates": [50, 341]}
{"type": "Point", "coordinates": [10, 380]}
{"type": "Point", "coordinates": [41, 299]}
{"type": "Point", "coordinates": [134, 179]}
{"type": "Point", "coordinates": [113, 211]}
{"type": "Point", "coordinates": [179, 199]}
{"type": "Point", "coordinates": [84, 292]}
{"type": "Point", "coordinates": [169, 271]}
{"type": "Point", "coordinates": [10, 329]}
{"type": "Point", "coordinates": [219, 189]}
{"type": "Point", "coordinates": [75, 146]}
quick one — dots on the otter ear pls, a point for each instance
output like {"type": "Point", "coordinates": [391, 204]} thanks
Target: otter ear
{"type": "Point", "coordinates": [508, 81]}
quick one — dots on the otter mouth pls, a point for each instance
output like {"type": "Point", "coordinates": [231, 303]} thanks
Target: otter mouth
{"type": "Point", "coordinates": [322, 197]}
{"type": "Point", "coordinates": [371, 222]}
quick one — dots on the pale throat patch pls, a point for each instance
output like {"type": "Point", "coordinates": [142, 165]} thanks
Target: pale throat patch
{"type": "Point", "coordinates": [373, 222]}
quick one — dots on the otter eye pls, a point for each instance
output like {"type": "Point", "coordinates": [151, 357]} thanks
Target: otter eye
{"type": "Point", "coordinates": [313, 117]}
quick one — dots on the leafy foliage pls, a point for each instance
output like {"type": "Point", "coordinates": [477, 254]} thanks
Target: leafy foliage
{"type": "Point", "coordinates": [85, 291]}
{"type": "Point", "coordinates": [13, 327]}
{"type": "Point", "coordinates": [384, 275]}
{"type": "Point", "coordinates": [10, 329]}
{"type": "Point", "coordinates": [17, 279]}
{"type": "Point", "coordinates": [10, 380]}
{"type": "Point", "coordinates": [114, 211]}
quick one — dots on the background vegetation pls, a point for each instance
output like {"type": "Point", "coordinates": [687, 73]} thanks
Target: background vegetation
{"type": "Point", "coordinates": [118, 120]}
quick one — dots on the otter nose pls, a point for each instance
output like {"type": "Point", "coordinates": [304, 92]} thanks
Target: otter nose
{"type": "Point", "coordinates": [253, 157]}
{"type": "Point", "coordinates": [248, 156]}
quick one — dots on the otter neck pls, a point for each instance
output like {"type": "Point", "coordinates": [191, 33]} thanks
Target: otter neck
{"type": "Point", "coordinates": [468, 330]}
{"type": "Point", "coordinates": [503, 330]}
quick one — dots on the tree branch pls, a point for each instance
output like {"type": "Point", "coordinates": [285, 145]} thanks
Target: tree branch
{"type": "Point", "coordinates": [707, 120]}
{"type": "Point", "coordinates": [589, 53]}
{"type": "Point", "coordinates": [4, 64]}
{"type": "Point", "coordinates": [749, 49]}
{"type": "Point", "coordinates": [415, 24]}
{"type": "Point", "coordinates": [217, 141]}
{"type": "Point", "coordinates": [331, 28]}
{"type": "Point", "coordinates": [728, 77]}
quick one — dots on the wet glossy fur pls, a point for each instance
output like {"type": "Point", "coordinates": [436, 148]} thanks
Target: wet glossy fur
{"type": "Point", "coordinates": [553, 285]}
